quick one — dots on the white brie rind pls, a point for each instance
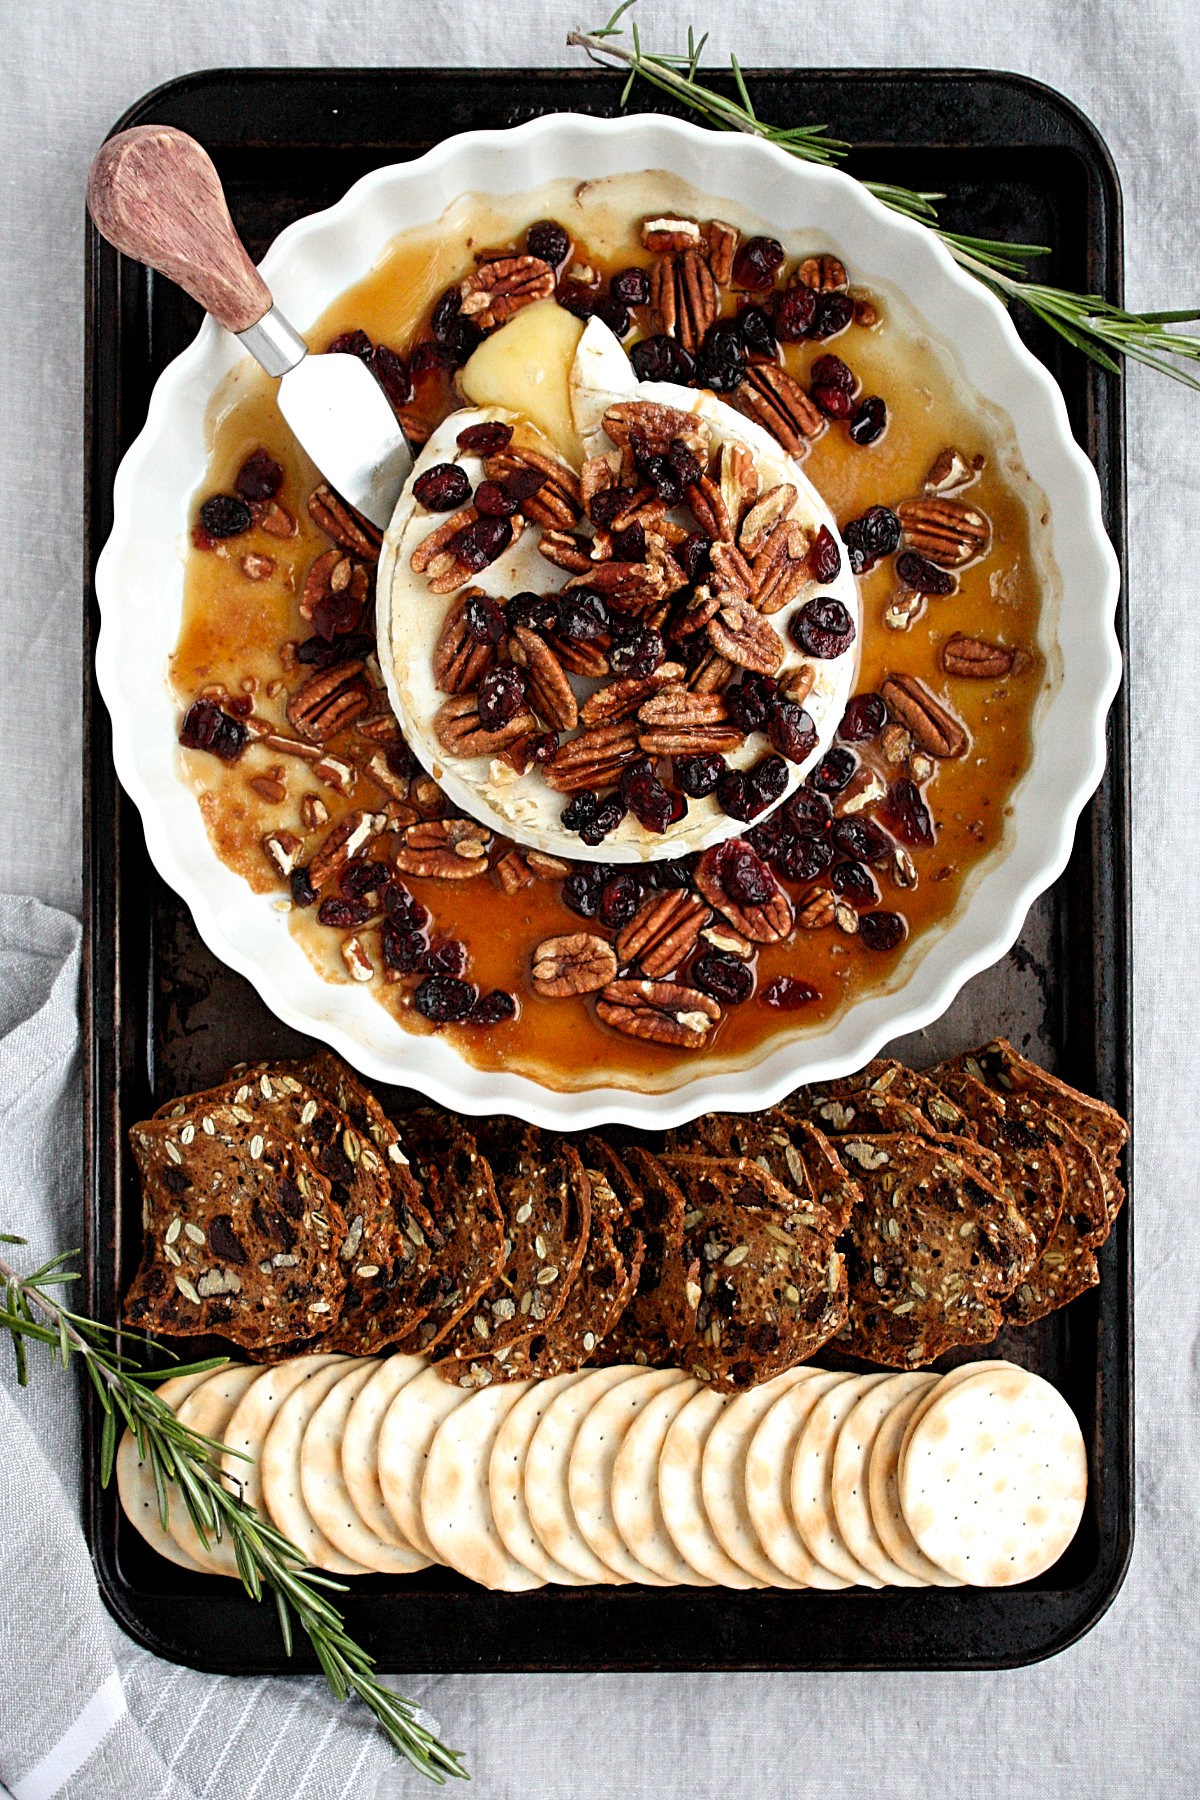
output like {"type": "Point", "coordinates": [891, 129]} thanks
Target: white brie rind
{"type": "Point", "coordinates": [410, 618]}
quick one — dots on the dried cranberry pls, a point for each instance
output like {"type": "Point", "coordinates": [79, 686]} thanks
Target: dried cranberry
{"type": "Point", "coordinates": [646, 797]}
{"type": "Point", "coordinates": [465, 338]}
{"type": "Point", "coordinates": [609, 310]}
{"type": "Point", "coordinates": [722, 977]}
{"type": "Point", "coordinates": [757, 330]}
{"type": "Point", "coordinates": [699, 775]}
{"type": "Point", "coordinates": [787, 992]}
{"type": "Point", "coordinates": [671, 872]}
{"type": "Point", "coordinates": [540, 748]}
{"type": "Point", "coordinates": [795, 314]}
{"type": "Point", "coordinates": [692, 554]}
{"type": "Point", "coordinates": [661, 359]}
{"type": "Point", "coordinates": [756, 264]}
{"type": "Point", "coordinates": [875, 533]}
{"type": "Point", "coordinates": [834, 313]}
{"type": "Point", "coordinates": [483, 619]}
{"type": "Point", "coordinates": [833, 402]}
{"type": "Point", "coordinates": [749, 702]}
{"type": "Point", "coordinates": [403, 947]}
{"type": "Point", "coordinates": [402, 909]}
{"type": "Point", "coordinates": [390, 371]}
{"type": "Point", "coordinates": [337, 614]}
{"type": "Point", "coordinates": [400, 759]}
{"type": "Point", "coordinates": [766, 837]}
{"type": "Point", "coordinates": [323, 655]}
{"type": "Point", "coordinates": [802, 858]}
{"type": "Point", "coordinates": [442, 488]}
{"type": "Point", "coordinates": [882, 930]}
{"type": "Point", "coordinates": [667, 485]}
{"type": "Point", "coordinates": [481, 543]}
{"type": "Point", "coordinates": [833, 771]}
{"type": "Point", "coordinates": [522, 484]}
{"type": "Point", "coordinates": [224, 516]}
{"type": "Point", "coordinates": [791, 730]}
{"type": "Point", "coordinates": [824, 558]}
{"type": "Point", "coordinates": [362, 876]}
{"type": "Point", "coordinates": [206, 727]}
{"type": "Point", "coordinates": [831, 371]}
{"type": "Point", "coordinates": [743, 875]}
{"type": "Point", "coordinates": [823, 628]}
{"type": "Point", "coordinates": [487, 439]}
{"type": "Point", "coordinates": [443, 999]}
{"type": "Point", "coordinates": [865, 717]}
{"type": "Point", "coordinates": [351, 343]}
{"type": "Point", "coordinates": [582, 615]}
{"type": "Point", "coordinates": [343, 915]}
{"type": "Point", "coordinates": [870, 421]}
{"type": "Point", "coordinates": [918, 572]}
{"type": "Point", "coordinates": [576, 299]}
{"type": "Point", "coordinates": [259, 478]}
{"type": "Point", "coordinates": [907, 814]}
{"type": "Point", "coordinates": [549, 240]}
{"type": "Point", "coordinates": [736, 796]}
{"type": "Point", "coordinates": [769, 779]}
{"type": "Point", "coordinates": [606, 818]}
{"type": "Point", "coordinates": [445, 315]}
{"type": "Point", "coordinates": [854, 882]}
{"type": "Point", "coordinates": [578, 810]}
{"type": "Point", "coordinates": [495, 1008]}
{"type": "Point", "coordinates": [303, 891]}
{"type": "Point", "coordinates": [535, 612]}
{"type": "Point", "coordinates": [806, 813]}
{"type": "Point", "coordinates": [631, 287]}
{"type": "Point", "coordinates": [493, 501]}
{"type": "Point", "coordinates": [637, 653]}
{"type": "Point", "coordinates": [428, 355]}
{"type": "Point", "coordinates": [604, 507]}
{"type": "Point", "coordinates": [685, 463]}
{"type": "Point", "coordinates": [447, 958]}
{"type": "Point", "coordinates": [501, 696]}
{"type": "Point", "coordinates": [223, 1241]}
{"type": "Point", "coordinates": [721, 359]}
{"type": "Point", "coordinates": [619, 900]}
{"type": "Point", "coordinates": [630, 545]}
{"type": "Point", "coordinates": [582, 888]}
{"type": "Point", "coordinates": [861, 839]}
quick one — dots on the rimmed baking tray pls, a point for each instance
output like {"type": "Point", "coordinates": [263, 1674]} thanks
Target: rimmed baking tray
{"type": "Point", "coordinates": [162, 1015]}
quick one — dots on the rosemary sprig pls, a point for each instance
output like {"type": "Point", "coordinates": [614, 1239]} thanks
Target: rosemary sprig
{"type": "Point", "coordinates": [266, 1559]}
{"type": "Point", "coordinates": [1103, 332]}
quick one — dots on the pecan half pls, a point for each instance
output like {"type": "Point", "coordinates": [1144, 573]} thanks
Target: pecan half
{"type": "Point", "coordinates": [352, 831]}
{"type": "Point", "coordinates": [671, 234]}
{"type": "Point", "coordinates": [949, 470]}
{"type": "Point", "coordinates": [566, 550]}
{"type": "Point", "coordinates": [744, 637]}
{"type": "Point", "coordinates": [824, 273]}
{"type": "Point", "coordinates": [737, 478]}
{"type": "Point", "coordinates": [710, 511]}
{"type": "Point", "coordinates": [513, 872]}
{"type": "Point", "coordinates": [459, 730]}
{"type": "Point", "coordinates": [330, 514]}
{"type": "Point", "coordinates": [500, 288]}
{"type": "Point", "coordinates": [444, 849]}
{"type": "Point", "coordinates": [329, 701]}
{"type": "Point", "coordinates": [549, 689]}
{"type": "Point", "coordinates": [937, 731]}
{"type": "Point", "coordinates": [731, 574]}
{"type": "Point", "coordinates": [579, 964]}
{"type": "Point", "coordinates": [683, 297]}
{"type": "Point", "coordinates": [765, 924]}
{"type": "Point", "coordinates": [460, 661]}
{"type": "Point", "coordinates": [283, 849]}
{"type": "Point", "coordinates": [380, 775]}
{"type": "Point", "coordinates": [594, 759]}
{"type": "Point", "coordinates": [662, 425]}
{"type": "Point", "coordinates": [622, 698]}
{"type": "Point", "coordinates": [662, 933]}
{"type": "Point", "coordinates": [771, 397]}
{"type": "Point", "coordinates": [627, 587]}
{"type": "Point", "coordinates": [678, 722]}
{"type": "Point", "coordinates": [559, 501]}
{"type": "Point", "coordinates": [947, 532]}
{"type": "Point", "coordinates": [712, 675]}
{"type": "Point", "coordinates": [547, 868]}
{"type": "Point", "coordinates": [776, 504]}
{"type": "Point", "coordinates": [797, 684]}
{"type": "Point", "coordinates": [438, 539]}
{"type": "Point", "coordinates": [275, 521]}
{"type": "Point", "coordinates": [317, 581]}
{"type": "Point", "coordinates": [981, 661]}
{"type": "Point", "coordinates": [660, 1011]}
{"type": "Point", "coordinates": [722, 248]}
{"type": "Point", "coordinates": [579, 659]}
{"type": "Point", "coordinates": [816, 909]}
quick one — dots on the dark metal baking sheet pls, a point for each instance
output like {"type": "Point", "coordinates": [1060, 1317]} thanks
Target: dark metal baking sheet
{"type": "Point", "coordinates": [161, 1014]}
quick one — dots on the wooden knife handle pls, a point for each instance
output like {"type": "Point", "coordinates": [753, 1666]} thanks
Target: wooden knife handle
{"type": "Point", "coordinates": [154, 193]}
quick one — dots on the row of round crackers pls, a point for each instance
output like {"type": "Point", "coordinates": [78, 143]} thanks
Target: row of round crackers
{"type": "Point", "coordinates": [814, 1479]}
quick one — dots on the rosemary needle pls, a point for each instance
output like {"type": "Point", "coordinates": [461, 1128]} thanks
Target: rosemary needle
{"type": "Point", "coordinates": [1103, 332]}
{"type": "Point", "coordinates": [266, 1559]}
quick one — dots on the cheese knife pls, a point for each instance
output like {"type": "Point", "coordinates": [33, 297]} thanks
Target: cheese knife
{"type": "Point", "coordinates": [154, 194]}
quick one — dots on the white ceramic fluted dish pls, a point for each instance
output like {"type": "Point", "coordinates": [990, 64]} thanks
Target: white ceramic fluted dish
{"type": "Point", "coordinates": [139, 584]}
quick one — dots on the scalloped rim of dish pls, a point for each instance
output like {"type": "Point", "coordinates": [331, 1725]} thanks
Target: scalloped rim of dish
{"type": "Point", "coordinates": [137, 567]}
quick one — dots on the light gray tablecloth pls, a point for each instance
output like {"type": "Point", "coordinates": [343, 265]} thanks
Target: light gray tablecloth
{"type": "Point", "coordinates": [1112, 1716]}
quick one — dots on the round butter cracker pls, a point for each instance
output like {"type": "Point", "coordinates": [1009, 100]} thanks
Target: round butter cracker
{"type": "Point", "coordinates": [547, 1490]}
{"type": "Point", "coordinates": [723, 1476]}
{"type": "Point", "coordinates": [812, 1479]}
{"type": "Point", "coordinates": [506, 1479]}
{"type": "Point", "coordinates": [208, 1410]}
{"type": "Point", "coordinates": [637, 1510]}
{"type": "Point", "coordinates": [851, 1491]}
{"type": "Point", "coordinates": [360, 1444]}
{"type": "Point", "coordinates": [281, 1484]}
{"type": "Point", "coordinates": [682, 1499]}
{"type": "Point", "coordinates": [323, 1485]}
{"type": "Point", "coordinates": [456, 1507]}
{"type": "Point", "coordinates": [769, 1481]}
{"type": "Point", "coordinates": [590, 1470]}
{"type": "Point", "coordinates": [135, 1481]}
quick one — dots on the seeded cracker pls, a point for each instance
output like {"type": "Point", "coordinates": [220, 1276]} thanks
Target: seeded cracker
{"type": "Point", "coordinates": [241, 1234]}
{"type": "Point", "coordinates": [1034, 1176]}
{"type": "Point", "coordinates": [882, 1097]}
{"type": "Point", "coordinates": [660, 1320]}
{"type": "Point", "coordinates": [821, 1195]}
{"type": "Point", "coordinates": [926, 1263]}
{"type": "Point", "coordinates": [770, 1297]}
{"type": "Point", "coordinates": [461, 1196]}
{"type": "Point", "coordinates": [546, 1206]}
